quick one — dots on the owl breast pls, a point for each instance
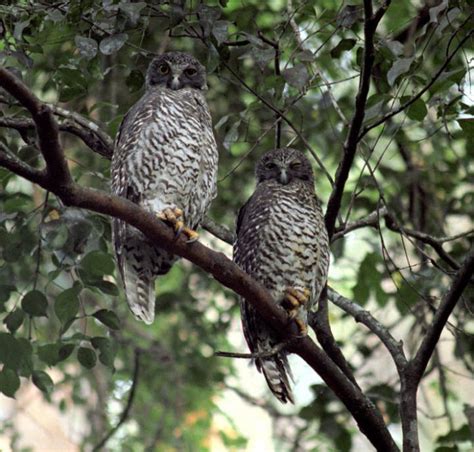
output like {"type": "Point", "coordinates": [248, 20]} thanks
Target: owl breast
{"type": "Point", "coordinates": [175, 158]}
{"type": "Point", "coordinates": [291, 239]}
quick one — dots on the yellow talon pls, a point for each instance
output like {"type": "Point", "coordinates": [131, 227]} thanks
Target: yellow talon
{"type": "Point", "coordinates": [302, 326]}
{"type": "Point", "coordinates": [171, 216]}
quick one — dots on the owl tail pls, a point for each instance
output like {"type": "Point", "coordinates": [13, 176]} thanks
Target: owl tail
{"type": "Point", "coordinates": [140, 292]}
{"type": "Point", "coordinates": [276, 371]}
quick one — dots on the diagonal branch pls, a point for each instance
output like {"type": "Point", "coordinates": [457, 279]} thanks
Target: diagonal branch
{"type": "Point", "coordinates": [461, 281]}
{"type": "Point", "coordinates": [394, 347]}
{"type": "Point", "coordinates": [46, 126]}
{"type": "Point", "coordinates": [352, 138]}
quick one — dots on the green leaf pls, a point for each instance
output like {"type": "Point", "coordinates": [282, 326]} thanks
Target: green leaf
{"type": "Point", "coordinates": [296, 76]}
{"type": "Point", "coordinates": [98, 263]}
{"type": "Point", "coordinates": [87, 47]}
{"type": "Point", "coordinates": [49, 354]}
{"type": "Point", "coordinates": [467, 126]}
{"type": "Point", "coordinates": [66, 305]}
{"type": "Point", "coordinates": [132, 10]}
{"type": "Point", "coordinates": [348, 16]}
{"type": "Point", "coordinates": [107, 287]}
{"type": "Point", "coordinates": [219, 30]}
{"type": "Point", "coordinates": [457, 436]}
{"type": "Point", "coordinates": [42, 381]}
{"type": "Point", "coordinates": [65, 351]}
{"type": "Point", "coordinates": [342, 46]}
{"type": "Point", "coordinates": [108, 318]}
{"type": "Point", "coordinates": [399, 67]}
{"type": "Point", "coordinates": [417, 110]}
{"type": "Point", "coordinates": [14, 320]}
{"type": "Point", "coordinates": [107, 349]}
{"type": "Point", "coordinates": [86, 357]}
{"type": "Point", "coordinates": [5, 291]}
{"type": "Point", "coordinates": [9, 351]}
{"type": "Point", "coordinates": [113, 44]}
{"type": "Point", "coordinates": [35, 303]}
{"type": "Point", "coordinates": [9, 382]}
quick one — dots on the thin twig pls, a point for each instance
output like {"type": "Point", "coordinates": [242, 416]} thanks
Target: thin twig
{"type": "Point", "coordinates": [257, 355]}
{"type": "Point", "coordinates": [128, 406]}
{"type": "Point", "coordinates": [422, 91]}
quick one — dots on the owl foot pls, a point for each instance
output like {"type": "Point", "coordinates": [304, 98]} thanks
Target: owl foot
{"type": "Point", "coordinates": [302, 327]}
{"type": "Point", "coordinates": [172, 216]}
{"type": "Point", "coordinates": [293, 300]}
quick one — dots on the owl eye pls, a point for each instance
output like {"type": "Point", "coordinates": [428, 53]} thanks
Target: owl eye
{"type": "Point", "coordinates": [163, 69]}
{"type": "Point", "coordinates": [270, 165]}
{"type": "Point", "coordinates": [190, 71]}
{"type": "Point", "coordinates": [295, 165]}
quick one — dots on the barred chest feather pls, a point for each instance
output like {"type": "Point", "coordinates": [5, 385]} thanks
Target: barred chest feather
{"type": "Point", "coordinates": [174, 157]}
{"type": "Point", "coordinates": [288, 240]}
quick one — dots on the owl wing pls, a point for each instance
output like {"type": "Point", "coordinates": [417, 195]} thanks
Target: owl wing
{"type": "Point", "coordinates": [139, 261]}
{"type": "Point", "coordinates": [259, 336]}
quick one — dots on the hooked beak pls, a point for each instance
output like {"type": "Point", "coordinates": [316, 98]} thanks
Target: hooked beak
{"type": "Point", "coordinates": [175, 83]}
{"type": "Point", "coordinates": [283, 177]}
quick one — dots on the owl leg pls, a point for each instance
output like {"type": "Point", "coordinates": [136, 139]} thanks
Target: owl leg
{"type": "Point", "coordinates": [172, 216]}
{"type": "Point", "coordinates": [293, 300]}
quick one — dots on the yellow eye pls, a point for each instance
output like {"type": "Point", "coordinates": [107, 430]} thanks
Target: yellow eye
{"type": "Point", "coordinates": [190, 71]}
{"type": "Point", "coordinates": [163, 69]}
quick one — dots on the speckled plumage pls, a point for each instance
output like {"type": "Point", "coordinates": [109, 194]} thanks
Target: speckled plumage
{"type": "Point", "coordinates": [165, 156]}
{"type": "Point", "coordinates": [281, 242]}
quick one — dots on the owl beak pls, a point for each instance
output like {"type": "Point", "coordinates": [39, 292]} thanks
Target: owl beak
{"type": "Point", "coordinates": [175, 82]}
{"type": "Point", "coordinates": [283, 177]}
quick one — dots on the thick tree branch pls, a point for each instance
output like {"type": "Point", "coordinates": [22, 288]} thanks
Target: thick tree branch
{"type": "Point", "coordinates": [46, 126]}
{"type": "Point", "coordinates": [352, 138]}
{"type": "Point", "coordinates": [10, 162]}
{"type": "Point", "coordinates": [86, 134]}
{"type": "Point", "coordinates": [411, 375]}
{"type": "Point", "coordinates": [462, 279]}
{"type": "Point", "coordinates": [323, 329]}
{"type": "Point", "coordinates": [218, 265]}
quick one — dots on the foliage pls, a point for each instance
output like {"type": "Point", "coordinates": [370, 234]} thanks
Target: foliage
{"type": "Point", "coordinates": [65, 320]}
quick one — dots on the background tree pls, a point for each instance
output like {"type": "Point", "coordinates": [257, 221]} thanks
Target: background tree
{"type": "Point", "coordinates": [379, 95]}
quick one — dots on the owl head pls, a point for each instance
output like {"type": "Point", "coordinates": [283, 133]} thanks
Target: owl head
{"type": "Point", "coordinates": [285, 166]}
{"type": "Point", "coordinates": [176, 70]}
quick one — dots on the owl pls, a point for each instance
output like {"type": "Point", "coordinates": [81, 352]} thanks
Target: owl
{"type": "Point", "coordinates": [282, 243]}
{"type": "Point", "coordinates": [165, 160]}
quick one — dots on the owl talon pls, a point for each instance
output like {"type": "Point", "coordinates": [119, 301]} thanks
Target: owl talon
{"type": "Point", "coordinates": [178, 228]}
{"type": "Point", "coordinates": [302, 327]}
{"type": "Point", "coordinates": [192, 234]}
{"type": "Point", "coordinates": [296, 297]}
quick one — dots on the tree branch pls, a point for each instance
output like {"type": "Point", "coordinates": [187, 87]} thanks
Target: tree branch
{"type": "Point", "coordinates": [46, 127]}
{"type": "Point", "coordinates": [394, 347]}
{"type": "Point", "coordinates": [218, 265]}
{"type": "Point", "coordinates": [218, 230]}
{"type": "Point", "coordinates": [86, 134]}
{"type": "Point", "coordinates": [422, 91]}
{"type": "Point", "coordinates": [431, 338]}
{"type": "Point", "coordinates": [352, 139]}
{"type": "Point", "coordinates": [371, 220]}
{"type": "Point", "coordinates": [392, 224]}
{"type": "Point", "coordinates": [128, 406]}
